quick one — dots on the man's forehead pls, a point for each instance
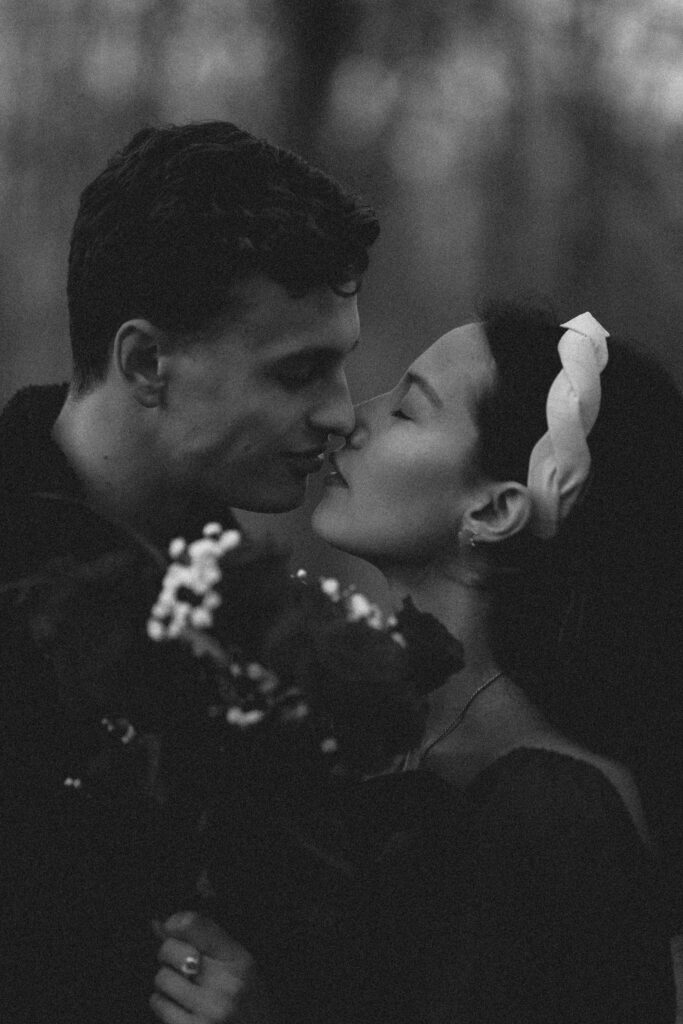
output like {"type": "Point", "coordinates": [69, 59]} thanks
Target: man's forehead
{"type": "Point", "coordinates": [270, 317]}
{"type": "Point", "coordinates": [286, 324]}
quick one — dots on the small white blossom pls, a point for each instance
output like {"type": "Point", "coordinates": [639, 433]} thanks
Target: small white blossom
{"type": "Point", "coordinates": [162, 608]}
{"type": "Point", "coordinates": [212, 530]}
{"type": "Point", "coordinates": [176, 576]}
{"type": "Point", "coordinates": [399, 638]}
{"type": "Point", "coordinates": [176, 548]}
{"type": "Point", "coordinates": [331, 587]}
{"type": "Point", "coordinates": [155, 629]}
{"type": "Point", "coordinates": [175, 627]}
{"type": "Point", "coordinates": [295, 713]}
{"type": "Point", "coordinates": [235, 716]}
{"type": "Point", "coordinates": [229, 540]}
{"type": "Point", "coordinates": [359, 606]}
{"type": "Point", "coordinates": [374, 619]}
{"type": "Point", "coordinates": [268, 683]}
{"type": "Point", "coordinates": [73, 783]}
{"type": "Point", "coordinates": [206, 548]}
{"type": "Point", "coordinates": [329, 745]}
{"type": "Point", "coordinates": [201, 618]}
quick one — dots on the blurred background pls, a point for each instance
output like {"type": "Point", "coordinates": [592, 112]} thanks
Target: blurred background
{"type": "Point", "coordinates": [510, 147]}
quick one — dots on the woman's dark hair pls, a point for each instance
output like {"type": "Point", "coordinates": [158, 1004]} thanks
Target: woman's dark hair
{"type": "Point", "coordinates": [590, 621]}
{"type": "Point", "coordinates": [184, 212]}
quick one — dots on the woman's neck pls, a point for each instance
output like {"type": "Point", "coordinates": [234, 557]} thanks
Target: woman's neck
{"type": "Point", "coordinates": [463, 609]}
{"type": "Point", "coordinates": [500, 717]}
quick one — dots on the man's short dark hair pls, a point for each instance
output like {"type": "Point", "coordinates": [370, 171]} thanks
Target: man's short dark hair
{"type": "Point", "coordinates": [182, 214]}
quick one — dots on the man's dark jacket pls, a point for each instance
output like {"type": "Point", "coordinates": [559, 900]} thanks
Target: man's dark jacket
{"type": "Point", "coordinates": [78, 944]}
{"type": "Point", "coordinates": [335, 942]}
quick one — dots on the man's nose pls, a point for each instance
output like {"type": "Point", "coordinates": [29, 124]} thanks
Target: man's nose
{"type": "Point", "coordinates": [334, 413]}
{"type": "Point", "coordinates": [357, 436]}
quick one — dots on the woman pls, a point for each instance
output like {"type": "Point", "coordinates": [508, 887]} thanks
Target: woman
{"type": "Point", "coordinates": [472, 487]}
{"type": "Point", "coordinates": [533, 893]}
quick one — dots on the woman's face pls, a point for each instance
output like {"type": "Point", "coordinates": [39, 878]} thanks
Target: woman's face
{"type": "Point", "coordinates": [408, 470]}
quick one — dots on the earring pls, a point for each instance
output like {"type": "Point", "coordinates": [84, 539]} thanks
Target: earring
{"type": "Point", "coordinates": [468, 537]}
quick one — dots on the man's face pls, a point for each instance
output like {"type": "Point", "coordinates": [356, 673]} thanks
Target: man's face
{"type": "Point", "coordinates": [247, 414]}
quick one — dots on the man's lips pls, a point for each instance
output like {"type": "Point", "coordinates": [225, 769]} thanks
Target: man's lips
{"type": "Point", "coordinates": [306, 462]}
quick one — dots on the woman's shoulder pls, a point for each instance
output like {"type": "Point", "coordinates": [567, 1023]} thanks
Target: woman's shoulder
{"type": "Point", "coordinates": [563, 790]}
{"type": "Point", "coordinates": [556, 903]}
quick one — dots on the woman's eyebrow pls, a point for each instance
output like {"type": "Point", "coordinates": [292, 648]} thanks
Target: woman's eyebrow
{"type": "Point", "coordinates": [419, 381]}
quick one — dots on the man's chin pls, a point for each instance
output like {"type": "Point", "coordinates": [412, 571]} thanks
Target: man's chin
{"type": "Point", "coordinates": [282, 501]}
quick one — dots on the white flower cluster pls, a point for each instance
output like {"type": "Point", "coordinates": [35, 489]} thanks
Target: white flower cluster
{"type": "Point", "coordinates": [267, 696]}
{"type": "Point", "coordinates": [358, 608]}
{"type": "Point", "coordinates": [195, 571]}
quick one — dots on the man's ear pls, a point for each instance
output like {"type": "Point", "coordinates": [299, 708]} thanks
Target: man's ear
{"type": "Point", "coordinates": [503, 511]}
{"type": "Point", "coordinates": [139, 360]}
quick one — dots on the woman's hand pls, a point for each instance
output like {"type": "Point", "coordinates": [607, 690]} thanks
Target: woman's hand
{"type": "Point", "coordinates": [205, 976]}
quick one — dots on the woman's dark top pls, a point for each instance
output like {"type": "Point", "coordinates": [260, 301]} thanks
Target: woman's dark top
{"type": "Point", "coordinates": [546, 906]}
{"type": "Point", "coordinates": [528, 898]}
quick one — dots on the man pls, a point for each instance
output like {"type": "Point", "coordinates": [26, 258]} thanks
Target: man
{"type": "Point", "coordinates": [212, 297]}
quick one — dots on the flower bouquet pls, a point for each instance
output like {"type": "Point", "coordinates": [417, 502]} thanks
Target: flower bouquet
{"type": "Point", "coordinates": [186, 678]}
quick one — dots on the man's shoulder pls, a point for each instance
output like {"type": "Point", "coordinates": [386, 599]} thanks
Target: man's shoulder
{"type": "Point", "coordinates": [38, 527]}
{"type": "Point", "coordinates": [42, 514]}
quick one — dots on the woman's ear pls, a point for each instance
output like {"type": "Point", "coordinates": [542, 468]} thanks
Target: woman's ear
{"type": "Point", "coordinates": [138, 358]}
{"type": "Point", "coordinates": [504, 510]}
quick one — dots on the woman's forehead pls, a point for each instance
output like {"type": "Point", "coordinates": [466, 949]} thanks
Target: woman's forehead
{"type": "Point", "coordinates": [459, 359]}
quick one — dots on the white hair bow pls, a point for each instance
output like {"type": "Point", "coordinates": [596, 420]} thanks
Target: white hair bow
{"type": "Point", "coordinates": [560, 462]}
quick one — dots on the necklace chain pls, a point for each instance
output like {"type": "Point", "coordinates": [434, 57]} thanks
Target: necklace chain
{"type": "Point", "coordinates": [452, 726]}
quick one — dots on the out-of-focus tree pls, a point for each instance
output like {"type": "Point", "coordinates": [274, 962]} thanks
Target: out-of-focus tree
{"type": "Point", "coordinates": [509, 146]}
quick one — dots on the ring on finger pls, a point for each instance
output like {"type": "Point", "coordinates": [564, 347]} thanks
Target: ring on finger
{"type": "Point", "coordinates": [191, 965]}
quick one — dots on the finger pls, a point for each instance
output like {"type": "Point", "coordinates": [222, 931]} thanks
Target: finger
{"type": "Point", "coordinates": [169, 983]}
{"type": "Point", "coordinates": [175, 953]}
{"type": "Point", "coordinates": [222, 978]}
{"type": "Point", "coordinates": [208, 1003]}
{"type": "Point", "coordinates": [168, 1011]}
{"type": "Point", "coordinates": [206, 936]}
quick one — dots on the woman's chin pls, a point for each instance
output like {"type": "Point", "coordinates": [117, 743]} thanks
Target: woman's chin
{"type": "Point", "coordinates": [331, 526]}
{"type": "Point", "coordinates": [324, 521]}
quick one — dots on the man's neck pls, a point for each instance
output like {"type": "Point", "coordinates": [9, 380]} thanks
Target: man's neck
{"type": "Point", "coordinates": [114, 461]}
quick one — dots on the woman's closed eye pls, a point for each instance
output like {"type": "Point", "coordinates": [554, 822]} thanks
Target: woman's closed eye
{"type": "Point", "coordinates": [401, 414]}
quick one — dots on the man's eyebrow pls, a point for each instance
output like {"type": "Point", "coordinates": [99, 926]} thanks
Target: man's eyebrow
{"type": "Point", "coordinates": [419, 381]}
{"type": "Point", "coordinates": [322, 352]}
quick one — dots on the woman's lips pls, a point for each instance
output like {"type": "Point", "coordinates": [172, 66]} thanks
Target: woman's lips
{"type": "Point", "coordinates": [335, 478]}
